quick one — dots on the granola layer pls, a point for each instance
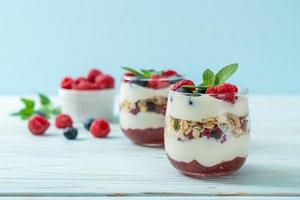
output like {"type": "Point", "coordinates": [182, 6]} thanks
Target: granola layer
{"type": "Point", "coordinates": [212, 127]}
{"type": "Point", "coordinates": [157, 104]}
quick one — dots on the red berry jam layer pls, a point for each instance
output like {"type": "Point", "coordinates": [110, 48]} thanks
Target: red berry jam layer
{"type": "Point", "coordinates": [195, 169]}
{"type": "Point", "coordinates": [147, 137]}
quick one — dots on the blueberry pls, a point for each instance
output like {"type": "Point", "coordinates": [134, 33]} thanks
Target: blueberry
{"type": "Point", "coordinates": [70, 133]}
{"type": "Point", "coordinates": [191, 102]}
{"type": "Point", "coordinates": [184, 90]}
{"type": "Point", "coordinates": [140, 82]}
{"type": "Point", "coordinates": [216, 133]}
{"type": "Point", "coordinates": [87, 123]}
{"type": "Point", "coordinates": [150, 106]}
{"type": "Point", "coordinates": [201, 90]}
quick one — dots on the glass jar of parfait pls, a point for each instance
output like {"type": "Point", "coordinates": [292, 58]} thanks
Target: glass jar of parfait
{"type": "Point", "coordinates": [207, 128]}
{"type": "Point", "coordinates": [143, 103]}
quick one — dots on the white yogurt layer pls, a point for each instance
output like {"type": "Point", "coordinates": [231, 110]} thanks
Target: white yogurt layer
{"type": "Point", "coordinates": [207, 152]}
{"type": "Point", "coordinates": [199, 107]}
{"type": "Point", "coordinates": [141, 120]}
{"type": "Point", "coordinates": [133, 92]}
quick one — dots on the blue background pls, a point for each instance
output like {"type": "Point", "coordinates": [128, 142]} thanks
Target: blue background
{"type": "Point", "coordinates": [42, 41]}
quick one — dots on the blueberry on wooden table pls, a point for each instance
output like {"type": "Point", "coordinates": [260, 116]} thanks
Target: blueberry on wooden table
{"type": "Point", "coordinates": [87, 123]}
{"type": "Point", "coordinates": [70, 133]}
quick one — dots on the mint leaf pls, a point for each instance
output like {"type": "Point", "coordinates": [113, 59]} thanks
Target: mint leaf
{"type": "Point", "coordinates": [46, 108]}
{"type": "Point", "coordinates": [24, 113]}
{"type": "Point", "coordinates": [148, 73]}
{"type": "Point", "coordinates": [225, 73]}
{"type": "Point", "coordinates": [28, 103]}
{"type": "Point", "coordinates": [133, 71]}
{"type": "Point", "coordinates": [45, 101]}
{"type": "Point", "coordinates": [208, 77]}
{"type": "Point", "coordinates": [56, 110]}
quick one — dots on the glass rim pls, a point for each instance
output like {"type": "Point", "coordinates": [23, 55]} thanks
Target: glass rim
{"type": "Point", "coordinates": [171, 78]}
{"type": "Point", "coordinates": [241, 91]}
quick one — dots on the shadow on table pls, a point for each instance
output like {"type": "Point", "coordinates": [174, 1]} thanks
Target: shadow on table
{"type": "Point", "coordinates": [262, 174]}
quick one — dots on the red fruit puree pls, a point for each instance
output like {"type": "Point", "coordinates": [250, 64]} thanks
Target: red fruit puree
{"type": "Point", "coordinates": [195, 169]}
{"type": "Point", "coordinates": [147, 137]}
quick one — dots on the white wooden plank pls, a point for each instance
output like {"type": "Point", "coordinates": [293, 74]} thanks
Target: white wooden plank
{"type": "Point", "coordinates": [147, 198]}
{"type": "Point", "coordinates": [52, 165]}
{"type": "Point", "coordinates": [152, 198]}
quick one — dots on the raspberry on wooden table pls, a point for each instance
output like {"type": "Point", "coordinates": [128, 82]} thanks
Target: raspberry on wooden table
{"type": "Point", "coordinates": [100, 128]}
{"type": "Point", "coordinates": [38, 125]}
{"type": "Point", "coordinates": [63, 121]}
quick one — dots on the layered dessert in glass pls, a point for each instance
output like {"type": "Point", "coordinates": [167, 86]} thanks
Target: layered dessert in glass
{"type": "Point", "coordinates": [143, 103]}
{"type": "Point", "coordinates": [207, 125]}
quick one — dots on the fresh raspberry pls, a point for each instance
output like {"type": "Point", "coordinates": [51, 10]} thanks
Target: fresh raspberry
{"type": "Point", "coordinates": [169, 73]}
{"type": "Point", "coordinates": [205, 133]}
{"type": "Point", "coordinates": [85, 85]}
{"type": "Point", "coordinates": [226, 92]}
{"type": "Point", "coordinates": [157, 76]}
{"type": "Point", "coordinates": [63, 121]}
{"type": "Point", "coordinates": [126, 76]}
{"type": "Point", "coordinates": [156, 83]}
{"type": "Point", "coordinates": [79, 79]}
{"type": "Point", "coordinates": [104, 81]}
{"type": "Point", "coordinates": [179, 84]}
{"type": "Point", "coordinates": [92, 74]}
{"type": "Point", "coordinates": [38, 125]}
{"type": "Point", "coordinates": [100, 128]}
{"type": "Point", "coordinates": [67, 83]}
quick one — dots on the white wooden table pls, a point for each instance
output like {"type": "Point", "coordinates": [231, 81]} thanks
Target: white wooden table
{"type": "Point", "coordinates": [51, 167]}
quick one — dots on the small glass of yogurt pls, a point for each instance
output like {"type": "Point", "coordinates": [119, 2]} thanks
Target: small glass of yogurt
{"type": "Point", "coordinates": [207, 135]}
{"type": "Point", "coordinates": [143, 103]}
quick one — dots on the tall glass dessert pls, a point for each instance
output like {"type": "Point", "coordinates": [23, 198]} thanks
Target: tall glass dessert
{"type": "Point", "coordinates": [207, 126]}
{"type": "Point", "coordinates": [143, 103]}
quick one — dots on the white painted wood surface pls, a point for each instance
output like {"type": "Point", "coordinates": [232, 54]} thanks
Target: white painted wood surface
{"type": "Point", "coordinates": [51, 167]}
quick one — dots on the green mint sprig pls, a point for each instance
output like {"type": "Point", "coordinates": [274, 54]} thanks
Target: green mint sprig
{"type": "Point", "coordinates": [211, 79]}
{"type": "Point", "coordinates": [225, 73]}
{"type": "Point", "coordinates": [143, 73]}
{"type": "Point", "coordinates": [46, 108]}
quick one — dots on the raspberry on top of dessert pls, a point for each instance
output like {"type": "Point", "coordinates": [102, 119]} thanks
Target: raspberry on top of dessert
{"type": "Point", "coordinates": [95, 80]}
{"type": "Point", "coordinates": [211, 117]}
